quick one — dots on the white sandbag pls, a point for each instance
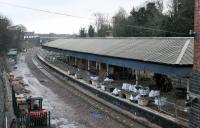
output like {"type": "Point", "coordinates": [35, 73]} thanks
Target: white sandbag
{"type": "Point", "coordinates": [144, 91]}
{"type": "Point", "coordinates": [103, 87]}
{"type": "Point", "coordinates": [116, 91]}
{"type": "Point", "coordinates": [108, 80]}
{"type": "Point", "coordinates": [131, 88]}
{"type": "Point", "coordinates": [160, 101]}
{"type": "Point", "coordinates": [95, 78]}
{"type": "Point", "coordinates": [157, 93]}
{"type": "Point", "coordinates": [151, 94]}
{"type": "Point", "coordinates": [131, 98]}
{"type": "Point", "coordinates": [137, 97]}
{"type": "Point", "coordinates": [154, 93]}
{"type": "Point", "coordinates": [125, 86]}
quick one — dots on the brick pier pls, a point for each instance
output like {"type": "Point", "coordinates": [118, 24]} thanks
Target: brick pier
{"type": "Point", "coordinates": [195, 80]}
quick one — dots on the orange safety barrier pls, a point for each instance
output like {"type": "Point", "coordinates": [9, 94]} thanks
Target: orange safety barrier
{"type": "Point", "coordinates": [38, 113]}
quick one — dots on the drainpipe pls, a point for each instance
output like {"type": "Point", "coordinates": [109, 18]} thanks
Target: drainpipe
{"type": "Point", "coordinates": [96, 65]}
{"type": "Point", "coordinates": [136, 77]}
{"type": "Point", "coordinates": [188, 89]}
{"type": "Point", "coordinates": [99, 66]}
{"type": "Point", "coordinates": [107, 69]}
{"type": "Point", "coordinates": [75, 61]}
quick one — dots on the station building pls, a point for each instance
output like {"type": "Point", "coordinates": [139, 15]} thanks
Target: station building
{"type": "Point", "coordinates": [164, 63]}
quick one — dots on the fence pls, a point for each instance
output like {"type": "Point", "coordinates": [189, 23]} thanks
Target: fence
{"type": "Point", "coordinates": [2, 102]}
{"type": "Point", "coordinates": [174, 110]}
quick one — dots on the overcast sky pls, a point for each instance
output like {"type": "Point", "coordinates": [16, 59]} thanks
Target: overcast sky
{"type": "Point", "coordinates": [41, 22]}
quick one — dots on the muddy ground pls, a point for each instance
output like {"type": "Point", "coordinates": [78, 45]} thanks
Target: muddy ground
{"type": "Point", "coordinates": [69, 108]}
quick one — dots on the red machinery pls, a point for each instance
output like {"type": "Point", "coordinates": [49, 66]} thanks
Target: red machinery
{"type": "Point", "coordinates": [36, 114]}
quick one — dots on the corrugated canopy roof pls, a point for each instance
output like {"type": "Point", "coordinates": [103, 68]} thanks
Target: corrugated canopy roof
{"type": "Point", "coordinates": [172, 50]}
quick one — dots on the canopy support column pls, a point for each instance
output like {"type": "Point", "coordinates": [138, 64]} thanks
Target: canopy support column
{"type": "Point", "coordinates": [107, 69]}
{"type": "Point", "coordinates": [88, 65]}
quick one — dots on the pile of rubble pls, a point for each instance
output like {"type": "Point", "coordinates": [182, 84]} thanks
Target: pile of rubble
{"type": "Point", "coordinates": [21, 92]}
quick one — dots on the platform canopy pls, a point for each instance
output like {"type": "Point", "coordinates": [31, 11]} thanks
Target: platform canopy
{"type": "Point", "coordinates": [165, 55]}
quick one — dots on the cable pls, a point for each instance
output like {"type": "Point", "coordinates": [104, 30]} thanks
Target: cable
{"type": "Point", "coordinates": [46, 11]}
{"type": "Point", "coordinates": [148, 28]}
{"type": "Point", "coordinates": [68, 15]}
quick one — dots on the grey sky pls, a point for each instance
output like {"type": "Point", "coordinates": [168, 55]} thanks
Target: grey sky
{"type": "Point", "coordinates": [44, 23]}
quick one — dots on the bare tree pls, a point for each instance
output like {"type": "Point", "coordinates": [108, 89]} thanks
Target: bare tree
{"type": "Point", "coordinates": [102, 24]}
{"type": "Point", "coordinates": [119, 23]}
{"type": "Point", "coordinates": [160, 5]}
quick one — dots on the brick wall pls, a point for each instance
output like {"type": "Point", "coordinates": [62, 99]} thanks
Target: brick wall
{"type": "Point", "coordinates": [197, 37]}
{"type": "Point", "coordinates": [196, 62]}
{"type": "Point", "coordinates": [195, 80]}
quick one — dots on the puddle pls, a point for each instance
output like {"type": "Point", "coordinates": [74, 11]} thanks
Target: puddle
{"type": "Point", "coordinates": [96, 116]}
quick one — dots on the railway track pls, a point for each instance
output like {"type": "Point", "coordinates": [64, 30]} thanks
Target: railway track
{"type": "Point", "coordinates": [126, 122]}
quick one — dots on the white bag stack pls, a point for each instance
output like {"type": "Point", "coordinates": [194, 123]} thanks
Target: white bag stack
{"type": "Point", "coordinates": [125, 86]}
{"type": "Point", "coordinates": [116, 91]}
{"type": "Point", "coordinates": [131, 98]}
{"type": "Point", "coordinates": [136, 98]}
{"type": "Point", "coordinates": [129, 87]}
{"type": "Point", "coordinates": [154, 93]}
{"type": "Point", "coordinates": [160, 101]}
{"type": "Point", "coordinates": [144, 91]}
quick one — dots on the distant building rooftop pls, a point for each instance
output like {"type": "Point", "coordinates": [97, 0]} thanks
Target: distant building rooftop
{"type": "Point", "coordinates": [29, 34]}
